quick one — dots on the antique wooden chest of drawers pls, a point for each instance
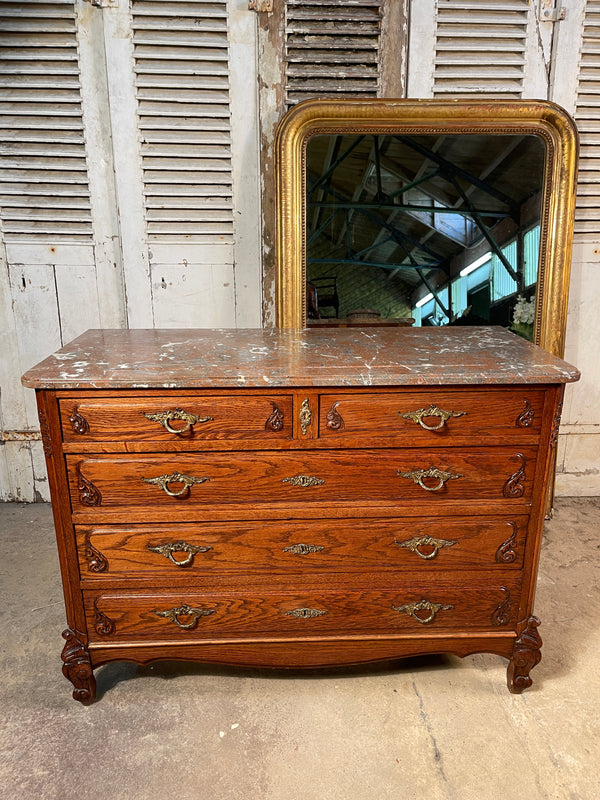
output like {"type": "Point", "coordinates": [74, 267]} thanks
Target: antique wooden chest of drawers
{"type": "Point", "coordinates": [298, 498]}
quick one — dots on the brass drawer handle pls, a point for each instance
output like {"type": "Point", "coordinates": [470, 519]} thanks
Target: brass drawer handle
{"type": "Point", "coordinates": [433, 411]}
{"type": "Point", "coordinates": [163, 482]}
{"type": "Point", "coordinates": [415, 544]}
{"type": "Point", "coordinates": [304, 480]}
{"type": "Point", "coordinates": [413, 609]}
{"type": "Point", "coordinates": [305, 613]}
{"type": "Point", "coordinates": [164, 417]}
{"type": "Point", "coordinates": [168, 549]}
{"type": "Point", "coordinates": [419, 475]}
{"type": "Point", "coordinates": [173, 614]}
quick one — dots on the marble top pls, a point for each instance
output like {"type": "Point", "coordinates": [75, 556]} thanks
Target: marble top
{"type": "Point", "coordinates": [170, 359]}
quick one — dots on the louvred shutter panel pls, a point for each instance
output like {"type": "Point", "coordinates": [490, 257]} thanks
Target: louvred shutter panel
{"type": "Point", "coordinates": [331, 48]}
{"type": "Point", "coordinates": [587, 116]}
{"type": "Point", "coordinates": [181, 69]}
{"type": "Point", "coordinates": [44, 195]}
{"type": "Point", "coordinates": [480, 48]}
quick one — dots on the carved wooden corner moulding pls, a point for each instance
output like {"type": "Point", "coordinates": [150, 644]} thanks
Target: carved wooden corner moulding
{"type": "Point", "coordinates": [514, 485]}
{"type": "Point", "coordinates": [506, 552]}
{"type": "Point", "coordinates": [77, 667]}
{"type": "Point", "coordinates": [96, 561]}
{"type": "Point", "coordinates": [104, 625]}
{"type": "Point", "coordinates": [526, 655]}
{"type": "Point", "coordinates": [275, 419]}
{"type": "Point", "coordinates": [335, 421]}
{"type": "Point", "coordinates": [526, 417]}
{"type": "Point", "coordinates": [501, 614]}
{"type": "Point", "coordinates": [556, 426]}
{"type": "Point", "coordinates": [89, 495]}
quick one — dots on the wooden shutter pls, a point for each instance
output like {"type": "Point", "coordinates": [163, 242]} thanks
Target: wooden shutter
{"type": "Point", "coordinates": [183, 97]}
{"type": "Point", "coordinates": [480, 47]}
{"type": "Point", "coordinates": [50, 288]}
{"type": "Point", "coordinates": [587, 115]}
{"type": "Point", "coordinates": [486, 48]}
{"type": "Point", "coordinates": [182, 81]}
{"type": "Point", "coordinates": [44, 195]}
{"type": "Point", "coordinates": [331, 48]}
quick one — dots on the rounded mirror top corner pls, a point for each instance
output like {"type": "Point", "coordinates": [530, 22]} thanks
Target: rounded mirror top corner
{"type": "Point", "coordinates": [441, 212]}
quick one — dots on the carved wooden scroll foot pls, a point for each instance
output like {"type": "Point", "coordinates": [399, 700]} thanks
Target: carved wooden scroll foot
{"type": "Point", "coordinates": [526, 654]}
{"type": "Point", "coordinates": [77, 667]}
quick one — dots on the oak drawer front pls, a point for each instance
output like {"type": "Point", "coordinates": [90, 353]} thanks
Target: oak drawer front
{"type": "Point", "coordinates": [345, 476]}
{"type": "Point", "coordinates": [188, 616]}
{"type": "Point", "coordinates": [350, 545]}
{"type": "Point", "coordinates": [430, 417]}
{"type": "Point", "coordinates": [187, 417]}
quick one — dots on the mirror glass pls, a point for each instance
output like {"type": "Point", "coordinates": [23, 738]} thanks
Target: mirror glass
{"type": "Point", "coordinates": [423, 229]}
{"type": "Point", "coordinates": [383, 202]}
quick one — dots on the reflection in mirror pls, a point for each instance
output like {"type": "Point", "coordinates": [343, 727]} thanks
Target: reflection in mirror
{"type": "Point", "coordinates": [426, 229]}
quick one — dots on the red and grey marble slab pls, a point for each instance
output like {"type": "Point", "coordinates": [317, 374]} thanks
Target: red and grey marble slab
{"type": "Point", "coordinates": [170, 359]}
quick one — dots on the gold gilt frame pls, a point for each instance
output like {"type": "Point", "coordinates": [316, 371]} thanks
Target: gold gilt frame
{"type": "Point", "coordinates": [540, 118]}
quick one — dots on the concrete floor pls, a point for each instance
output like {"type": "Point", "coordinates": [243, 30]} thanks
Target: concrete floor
{"type": "Point", "coordinates": [430, 728]}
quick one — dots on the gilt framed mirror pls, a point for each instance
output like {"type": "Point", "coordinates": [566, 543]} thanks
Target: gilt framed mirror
{"type": "Point", "coordinates": [394, 212]}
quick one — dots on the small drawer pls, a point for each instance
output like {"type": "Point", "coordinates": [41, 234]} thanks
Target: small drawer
{"type": "Point", "coordinates": [413, 608]}
{"type": "Point", "coordinates": [187, 417]}
{"type": "Point", "coordinates": [292, 547]}
{"type": "Point", "coordinates": [432, 417]}
{"type": "Point", "coordinates": [183, 483]}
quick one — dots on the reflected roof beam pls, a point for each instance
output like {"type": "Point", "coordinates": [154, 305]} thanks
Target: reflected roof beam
{"type": "Point", "coordinates": [336, 163]}
{"type": "Point", "coordinates": [464, 212]}
{"type": "Point", "coordinates": [333, 149]}
{"type": "Point", "coordinates": [360, 263]}
{"type": "Point", "coordinates": [452, 170]}
{"type": "Point", "coordinates": [434, 292]}
{"type": "Point", "coordinates": [488, 236]}
{"type": "Point", "coordinates": [397, 235]}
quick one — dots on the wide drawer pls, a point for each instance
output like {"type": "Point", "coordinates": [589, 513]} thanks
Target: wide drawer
{"type": "Point", "coordinates": [420, 607]}
{"type": "Point", "coordinates": [346, 476]}
{"type": "Point", "coordinates": [348, 545]}
{"type": "Point", "coordinates": [433, 416]}
{"type": "Point", "coordinates": [186, 417]}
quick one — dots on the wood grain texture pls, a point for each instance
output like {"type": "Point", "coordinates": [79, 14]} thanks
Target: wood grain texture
{"type": "Point", "coordinates": [306, 652]}
{"type": "Point", "coordinates": [347, 477]}
{"type": "Point", "coordinates": [227, 417]}
{"type": "Point", "coordinates": [480, 416]}
{"type": "Point", "coordinates": [134, 615]}
{"type": "Point", "coordinates": [265, 546]}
